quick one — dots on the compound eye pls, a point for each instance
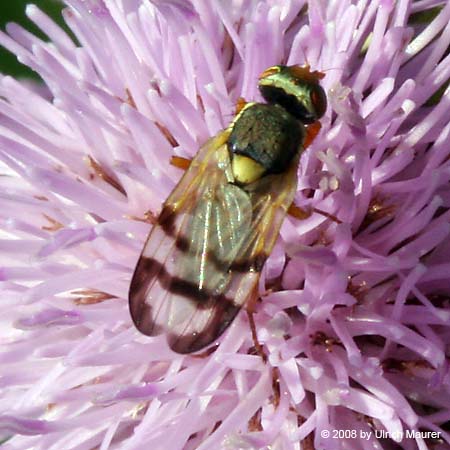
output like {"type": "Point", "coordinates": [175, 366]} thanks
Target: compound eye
{"type": "Point", "coordinates": [318, 100]}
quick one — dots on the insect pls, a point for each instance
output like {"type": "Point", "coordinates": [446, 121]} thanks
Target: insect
{"type": "Point", "coordinates": [203, 257]}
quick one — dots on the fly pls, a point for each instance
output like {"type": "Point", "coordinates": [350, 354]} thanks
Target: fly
{"type": "Point", "coordinates": [203, 257]}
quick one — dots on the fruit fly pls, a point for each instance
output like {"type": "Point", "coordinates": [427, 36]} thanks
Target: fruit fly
{"type": "Point", "coordinates": [203, 257]}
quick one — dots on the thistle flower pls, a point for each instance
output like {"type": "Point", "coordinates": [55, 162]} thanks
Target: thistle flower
{"type": "Point", "coordinates": [354, 316]}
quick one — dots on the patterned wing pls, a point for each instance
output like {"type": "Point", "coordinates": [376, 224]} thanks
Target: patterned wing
{"type": "Point", "coordinates": [202, 259]}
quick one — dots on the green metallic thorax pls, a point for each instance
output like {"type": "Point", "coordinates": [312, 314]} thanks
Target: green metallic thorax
{"type": "Point", "coordinates": [267, 134]}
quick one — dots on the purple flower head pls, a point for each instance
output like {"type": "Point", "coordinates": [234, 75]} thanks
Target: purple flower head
{"type": "Point", "coordinates": [355, 313]}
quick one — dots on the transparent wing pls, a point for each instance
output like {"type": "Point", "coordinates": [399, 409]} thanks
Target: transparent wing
{"type": "Point", "coordinates": [202, 259]}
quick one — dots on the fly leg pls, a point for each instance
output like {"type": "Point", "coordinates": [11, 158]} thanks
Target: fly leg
{"type": "Point", "coordinates": [240, 104]}
{"type": "Point", "coordinates": [250, 308]}
{"type": "Point", "coordinates": [311, 132]}
{"type": "Point", "coordinates": [302, 214]}
{"type": "Point", "coordinates": [258, 347]}
{"type": "Point", "coordinates": [275, 399]}
{"type": "Point", "coordinates": [180, 162]}
{"type": "Point", "coordinates": [295, 211]}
